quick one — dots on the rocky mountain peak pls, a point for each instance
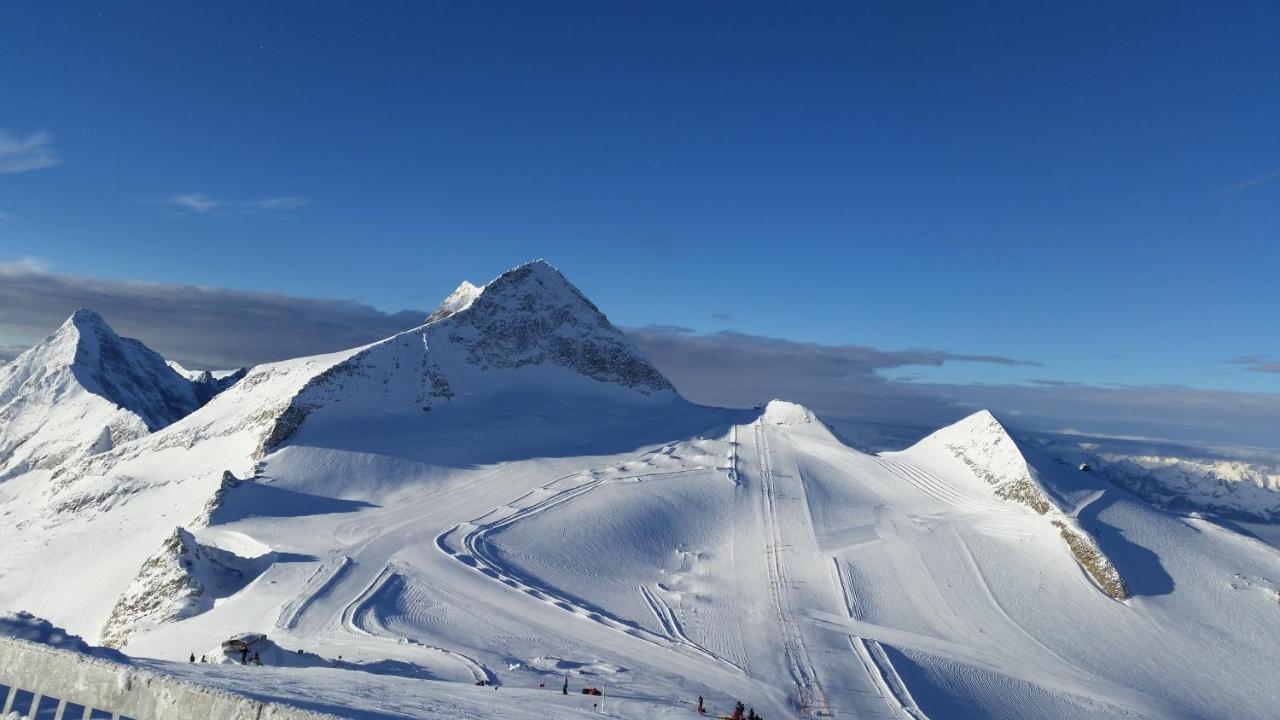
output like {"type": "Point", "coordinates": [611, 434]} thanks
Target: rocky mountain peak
{"type": "Point", "coordinates": [532, 315]}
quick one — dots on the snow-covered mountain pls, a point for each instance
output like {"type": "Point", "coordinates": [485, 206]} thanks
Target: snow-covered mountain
{"type": "Point", "coordinates": [85, 390]}
{"type": "Point", "coordinates": [511, 494]}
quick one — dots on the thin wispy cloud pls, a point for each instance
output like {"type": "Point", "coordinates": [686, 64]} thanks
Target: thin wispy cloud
{"type": "Point", "coordinates": [1257, 363]}
{"type": "Point", "coordinates": [1248, 184]}
{"type": "Point", "coordinates": [279, 204]}
{"type": "Point", "coordinates": [203, 204]}
{"type": "Point", "coordinates": [662, 245]}
{"type": "Point", "coordinates": [195, 202]}
{"type": "Point", "coordinates": [23, 154]}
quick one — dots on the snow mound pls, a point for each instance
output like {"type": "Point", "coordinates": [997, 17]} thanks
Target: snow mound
{"type": "Point", "coordinates": [25, 626]}
{"type": "Point", "coordinates": [782, 412]}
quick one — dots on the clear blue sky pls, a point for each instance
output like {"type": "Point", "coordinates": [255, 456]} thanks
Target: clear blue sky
{"type": "Point", "coordinates": [1094, 186]}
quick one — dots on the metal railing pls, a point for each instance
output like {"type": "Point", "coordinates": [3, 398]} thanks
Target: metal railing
{"type": "Point", "coordinates": [49, 683]}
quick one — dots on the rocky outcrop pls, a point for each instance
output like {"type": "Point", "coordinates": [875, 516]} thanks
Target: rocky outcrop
{"type": "Point", "coordinates": [181, 580]}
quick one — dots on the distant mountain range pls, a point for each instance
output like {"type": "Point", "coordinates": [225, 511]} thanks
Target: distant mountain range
{"type": "Point", "coordinates": [513, 494]}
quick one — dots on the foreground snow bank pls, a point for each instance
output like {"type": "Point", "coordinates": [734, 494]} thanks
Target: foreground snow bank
{"type": "Point", "coordinates": [25, 626]}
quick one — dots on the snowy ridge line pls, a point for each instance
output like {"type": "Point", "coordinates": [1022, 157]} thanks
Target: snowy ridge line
{"type": "Point", "coordinates": [355, 610]}
{"type": "Point", "coordinates": [797, 653]}
{"type": "Point", "coordinates": [474, 554]}
{"type": "Point", "coordinates": [293, 610]}
{"type": "Point", "coordinates": [892, 688]}
{"type": "Point", "coordinates": [125, 690]}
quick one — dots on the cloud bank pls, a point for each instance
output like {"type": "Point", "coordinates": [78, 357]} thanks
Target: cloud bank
{"type": "Point", "coordinates": [199, 327]}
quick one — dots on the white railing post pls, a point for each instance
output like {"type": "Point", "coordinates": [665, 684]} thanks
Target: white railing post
{"type": "Point", "coordinates": [62, 710]}
{"type": "Point", "coordinates": [36, 697]}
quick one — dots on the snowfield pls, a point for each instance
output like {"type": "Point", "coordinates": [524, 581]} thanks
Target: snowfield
{"type": "Point", "coordinates": [457, 520]}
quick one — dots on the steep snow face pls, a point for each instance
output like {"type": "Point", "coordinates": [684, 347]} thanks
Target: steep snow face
{"type": "Point", "coordinates": [982, 444]}
{"type": "Point", "coordinates": [459, 299]}
{"type": "Point", "coordinates": [81, 390]}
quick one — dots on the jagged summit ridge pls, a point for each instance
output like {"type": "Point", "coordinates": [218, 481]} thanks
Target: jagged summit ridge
{"type": "Point", "coordinates": [532, 314]}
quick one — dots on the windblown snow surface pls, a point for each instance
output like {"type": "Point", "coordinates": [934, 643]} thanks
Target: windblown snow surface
{"type": "Point", "coordinates": [511, 494]}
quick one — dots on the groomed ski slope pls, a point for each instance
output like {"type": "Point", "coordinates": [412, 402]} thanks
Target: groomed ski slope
{"type": "Point", "coordinates": [676, 551]}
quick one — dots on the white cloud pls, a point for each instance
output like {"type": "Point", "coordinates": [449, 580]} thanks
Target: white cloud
{"type": "Point", "coordinates": [1248, 184]}
{"type": "Point", "coordinates": [201, 203]}
{"type": "Point", "coordinates": [195, 202]}
{"type": "Point", "coordinates": [35, 151]}
{"type": "Point", "coordinates": [30, 264]}
{"type": "Point", "coordinates": [279, 204]}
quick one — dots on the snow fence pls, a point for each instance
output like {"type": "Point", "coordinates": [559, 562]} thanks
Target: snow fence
{"type": "Point", "coordinates": [58, 677]}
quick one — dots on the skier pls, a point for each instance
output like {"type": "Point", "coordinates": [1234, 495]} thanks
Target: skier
{"type": "Point", "coordinates": [192, 658]}
{"type": "Point", "coordinates": [257, 660]}
{"type": "Point", "coordinates": [202, 659]}
{"type": "Point", "coordinates": [244, 655]}
{"type": "Point", "coordinates": [701, 710]}
{"type": "Point", "coordinates": [738, 710]}
{"type": "Point", "coordinates": [751, 714]}
{"type": "Point", "coordinates": [565, 689]}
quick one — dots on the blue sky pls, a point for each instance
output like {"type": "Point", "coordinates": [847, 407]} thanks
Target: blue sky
{"type": "Point", "coordinates": [1093, 187]}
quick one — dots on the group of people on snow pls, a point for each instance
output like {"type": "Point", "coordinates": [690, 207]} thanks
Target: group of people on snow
{"type": "Point", "coordinates": [244, 658]}
{"type": "Point", "coordinates": [740, 712]}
